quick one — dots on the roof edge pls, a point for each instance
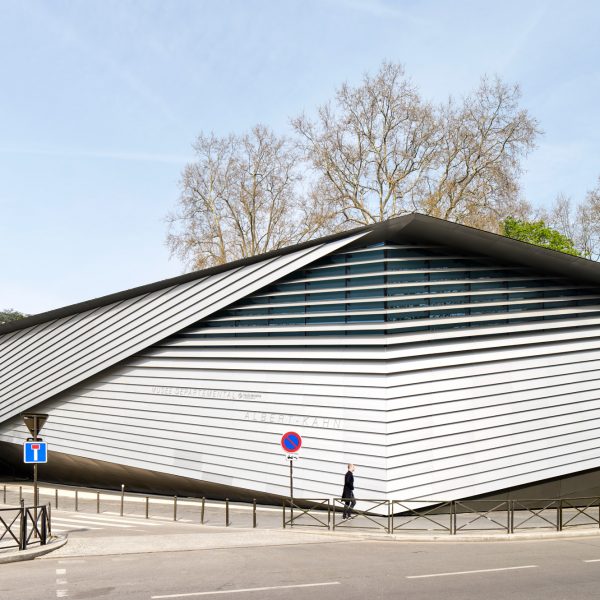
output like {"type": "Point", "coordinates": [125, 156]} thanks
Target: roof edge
{"type": "Point", "coordinates": [416, 224]}
{"type": "Point", "coordinates": [86, 305]}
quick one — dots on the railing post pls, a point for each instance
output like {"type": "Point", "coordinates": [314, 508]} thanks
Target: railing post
{"type": "Point", "coordinates": [20, 493]}
{"type": "Point", "coordinates": [97, 503]}
{"type": "Point", "coordinates": [174, 508]}
{"type": "Point", "coordinates": [328, 513]}
{"type": "Point", "coordinates": [4, 494]}
{"type": "Point", "coordinates": [254, 513]}
{"type": "Point", "coordinates": [147, 507]}
{"type": "Point", "coordinates": [202, 511]}
{"type": "Point", "coordinates": [50, 519]}
{"type": "Point", "coordinates": [226, 512]}
{"type": "Point", "coordinates": [43, 533]}
{"type": "Point", "coordinates": [452, 517]}
{"type": "Point", "coordinates": [56, 498]}
{"type": "Point", "coordinates": [389, 519]}
{"type": "Point", "coordinates": [511, 515]}
{"type": "Point", "coordinates": [23, 528]}
{"type": "Point", "coordinates": [559, 516]}
{"type": "Point", "coordinates": [122, 497]}
{"type": "Point", "coordinates": [76, 500]}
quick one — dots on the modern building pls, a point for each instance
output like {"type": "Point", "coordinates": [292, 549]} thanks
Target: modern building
{"type": "Point", "coordinates": [446, 362]}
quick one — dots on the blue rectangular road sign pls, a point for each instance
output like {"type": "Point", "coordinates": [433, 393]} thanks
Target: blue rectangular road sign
{"type": "Point", "coordinates": [35, 452]}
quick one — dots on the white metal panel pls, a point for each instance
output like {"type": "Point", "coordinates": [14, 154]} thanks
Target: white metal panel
{"type": "Point", "coordinates": [48, 358]}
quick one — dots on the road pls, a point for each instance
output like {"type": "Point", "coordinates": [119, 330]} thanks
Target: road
{"type": "Point", "coordinates": [527, 570]}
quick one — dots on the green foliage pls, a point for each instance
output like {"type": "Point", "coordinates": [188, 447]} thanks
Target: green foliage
{"type": "Point", "coordinates": [538, 233]}
{"type": "Point", "coordinates": [9, 315]}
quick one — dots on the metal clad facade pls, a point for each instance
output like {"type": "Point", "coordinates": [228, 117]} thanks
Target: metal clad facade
{"type": "Point", "coordinates": [43, 360]}
{"type": "Point", "coordinates": [442, 374]}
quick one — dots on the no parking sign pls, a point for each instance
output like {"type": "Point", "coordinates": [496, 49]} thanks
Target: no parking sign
{"type": "Point", "coordinates": [291, 441]}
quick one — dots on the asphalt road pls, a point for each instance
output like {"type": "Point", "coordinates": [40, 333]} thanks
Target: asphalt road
{"type": "Point", "coordinates": [549, 570]}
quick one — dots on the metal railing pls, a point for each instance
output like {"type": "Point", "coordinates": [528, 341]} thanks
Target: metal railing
{"type": "Point", "coordinates": [535, 514]}
{"type": "Point", "coordinates": [309, 512]}
{"type": "Point", "coordinates": [493, 515]}
{"type": "Point", "coordinates": [376, 516]}
{"type": "Point", "coordinates": [24, 526]}
{"type": "Point", "coordinates": [452, 517]}
{"type": "Point", "coordinates": [407, 517]}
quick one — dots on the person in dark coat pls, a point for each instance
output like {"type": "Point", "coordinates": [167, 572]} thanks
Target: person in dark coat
{"type": "Point", "coordinates": [348, 493]}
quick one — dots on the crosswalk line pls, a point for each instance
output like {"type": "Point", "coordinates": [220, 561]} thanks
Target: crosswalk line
{"type": "Point", "coordinates": [112, 518]}
{"type": "Point", "coordinates": [69, 530]}
{"type": "Point", "coordinates": [92, 522]}
{"type": "Point", "coordinates": [62, 525]}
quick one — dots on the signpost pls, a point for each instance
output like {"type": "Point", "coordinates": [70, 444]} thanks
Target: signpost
{"type": "Point", "coordinates": [35, 450]}
{"type": "Point", "coordinates": [291, 442]}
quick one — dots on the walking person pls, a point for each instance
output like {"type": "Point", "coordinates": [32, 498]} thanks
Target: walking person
{"type": "Point", "coordinates": [348, 494]}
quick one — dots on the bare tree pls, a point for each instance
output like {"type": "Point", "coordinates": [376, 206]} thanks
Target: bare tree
{"type": "Point", "coordinates": [242, 196]}
{"type": "Point", "coordinates": [379, 151]}
{"type": "Point", "coordinates": [372, 150]}
{"type": "Point", "coordinates": [483, 140]}
{"type": "Point", "coordinates": [580, 222]}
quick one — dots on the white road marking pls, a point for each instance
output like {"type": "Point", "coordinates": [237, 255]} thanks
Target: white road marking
{"type": "Point", "coordinates": [593, 560]}
{"type": "Point", "coordinates": [67, 525]}
{"type": "Point", "coordinates": [471, 572]}
{"type": "Point", "coordinates": [86, 521]}
{"type": "Point", "coordinates": [110, 518]}
{"type": "Point", "coordinates": [238, 591]}
{"type": "Point", "coordinates": [60, 581]}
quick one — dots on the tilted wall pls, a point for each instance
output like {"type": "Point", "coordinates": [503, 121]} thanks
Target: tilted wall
{"type": "Point", "coordinates": [441, 376]}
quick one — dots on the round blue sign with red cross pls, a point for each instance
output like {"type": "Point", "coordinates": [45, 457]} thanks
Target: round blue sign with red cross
{"type": "Point", "coordinates": [291, 441]}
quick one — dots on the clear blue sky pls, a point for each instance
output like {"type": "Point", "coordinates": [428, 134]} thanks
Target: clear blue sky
{"type": "Point", "coordinates": [101, 100]}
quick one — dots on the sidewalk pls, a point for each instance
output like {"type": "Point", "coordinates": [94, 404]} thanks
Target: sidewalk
{"type": "Point", "coordinates": [160, 532]}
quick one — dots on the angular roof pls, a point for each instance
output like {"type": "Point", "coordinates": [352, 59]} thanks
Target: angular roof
{"type": "Point", "coordinates": [50, 356]}
{"type": "Point", "coordinates": [414, 227]}
{"type": "Point", "coordinates": [47, 353]}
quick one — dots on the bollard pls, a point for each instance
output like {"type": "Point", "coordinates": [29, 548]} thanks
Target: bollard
{"type": "Point", "coordinates": [98, 503]}
{"type": "Point", "coordinates": [174, 508]}
{"type": "Point", "coordinates": [56, 498]}
{"type": "Point", "coordinates": [122, 497]}
{"type": "Point", "coordinates": [202, 511]}
{"type": "Point", "coordinates": [226, 512]}
{"type": "Point", "coordinates": [254, 512]}
{"type": "Point", "coordinates": [20, 493]}
{"type": "Point", "coordinates": [283, 506]}
{"type": "Point", "coordinates": [4, 493]}
{"type": "Point", "coordinates": [147, 506]}
{"type": "Point", "coordinates": [76, 500]}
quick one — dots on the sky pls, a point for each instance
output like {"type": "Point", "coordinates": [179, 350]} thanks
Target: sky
{"type": "Point", "coordinates": [100, 102]}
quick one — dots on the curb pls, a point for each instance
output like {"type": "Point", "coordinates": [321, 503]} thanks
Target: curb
{"type": "Point", "coordinates": [460, 538]}
{"type": "Point", "coordinates": [20, 555]}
